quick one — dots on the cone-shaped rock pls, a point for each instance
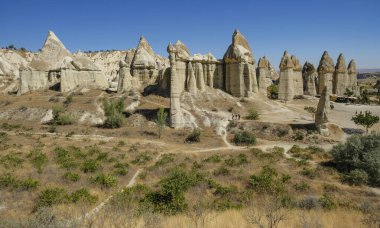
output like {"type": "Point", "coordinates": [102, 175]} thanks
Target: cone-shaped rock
{"type": "Point", "coordinates": [286, 86]}
{"type": "Point", "coordinates": [340, 77]}
{"type": "Point", "coordinates": [298, 82]}
{"type": "Point", "coordinates": [264, 73]}
{"type": "Point", "coordinates": [309, 75]}
{"type": "Point", "coordinates": [144, 55]}
{"type": "Point", "coordinates": [192, 82]}
{"type": "Point", "coordinates": [325, 73]}
{"type": "Point", "coordinates": [352, 83]}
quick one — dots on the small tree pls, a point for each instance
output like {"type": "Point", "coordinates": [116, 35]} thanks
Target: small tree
{"type": "Point", "coordinates": [252, 114]}
{"type": "Point", "coordinates": [114, 113]}
{"type": "Point", "coordinates": [311, 110]}
{"type": "Point", "coordinates": [364, 98]}
{"type": "Point", "coordinates": [366, 120]}
{"type": "Point", "coordinates": [348, 92]}
{"type": "Point", "coordinates": [161, 121]}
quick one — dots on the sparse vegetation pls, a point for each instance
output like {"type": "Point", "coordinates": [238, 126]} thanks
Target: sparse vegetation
{"type": "Point", "coordinates": [272, 91]}
{"type": "Point", "coordinates": [60, 117]}
{"type": "Point", "coordinates": [365, 119]}
{"type": "Point", "coordinates": [194, 137]}
{"type": "Point", "coordinates": [161, 121]}
{"type": "Point", "coordinates": [114, 113]}
{"type": "Point", "coordinates": [252, 114]}
{"type": "Point", "coordinates": [357, 155]}
{"type": "Point", "coordinates": [311, 110]}
{"type": "Point", "coordinates": [244, 138]}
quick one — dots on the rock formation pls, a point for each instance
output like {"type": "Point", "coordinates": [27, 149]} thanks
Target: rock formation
{"type": "Point", "coordinates": [56, 65]}
{"type": "Point", "coordinates": [240, 71]}
{"type": "Point", "coordinates": [286, 88]}
{"type": "Point", "coordinates": [297, 76]}
{"type": "Point", "coordinates": [263, 74]}
{"type": "Point", "coordinates": [325, 73]}
{"type": "Point", "coordinates": [340, 77]}
{"type": "Point", "coordinates": [323, 106]}
{"type": "Point", "coordinates": [352, 82]}
{"type": "Point", "coordinates": [144, 65]}
{"type": "Point", "coordinates": [176, 117]}
{"type": "Point", "coordinates": [309, 75]}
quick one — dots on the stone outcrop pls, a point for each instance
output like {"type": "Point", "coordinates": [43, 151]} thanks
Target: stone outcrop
{"type": "Point", "coordinates": [240, 67]}
{"type": "Point", "coordinates": [325, 73]}
{"type": "Point", "coordinates": [323, 106]}
{"type": "Point", "coordinates": [309, 75]}
{"type": "Point", "coordinates": [56, 65]}
{"type": "Point", "coordinates": [352, 82]}
{"type": "Point", "coordinates": [340, 77]}
{"type": "Point", "coordinates": [297, 76]}
{"type": "Point", "coordinates": [286, 88]}
{"type": "Point", "coordinates": [263, 74]}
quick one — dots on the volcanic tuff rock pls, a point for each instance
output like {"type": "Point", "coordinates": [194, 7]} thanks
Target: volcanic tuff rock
{"type": "Point", "coordinates": [323, 106]}
{"type": "Point", "coordinates": [309, 75]}
{"type": "Point", "coordinates": [325, 73]}
{"type": "Point", "coordinates": [340, 76]}
{"type": "Point", "coordinates": [286, 88]}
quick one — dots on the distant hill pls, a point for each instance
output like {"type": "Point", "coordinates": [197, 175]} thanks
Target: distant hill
{"type": "Point", "coordinates": [366, 70]}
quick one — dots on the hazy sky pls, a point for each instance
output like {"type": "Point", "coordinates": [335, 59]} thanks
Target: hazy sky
{"type": "Point", "coordinates": [303, 27]}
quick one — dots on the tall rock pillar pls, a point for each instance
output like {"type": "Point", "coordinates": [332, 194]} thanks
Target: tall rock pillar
{"type": "Point", "coordinates": [176, 118]}
{"type": "Point", "coordinates": [352, 75]}
{"type": "Point", "coordinates": [340, 81]}
{"type": "Point", "coordinates": [309, 75]}
{"type": "Point", "coordinates": [325, 73]}
{"type": "Point", "coordinates": [297, 76]}
{"type": "Point", "coordinates": [286, 85]}
{"type": "Point", "coordinates": [263, 70]}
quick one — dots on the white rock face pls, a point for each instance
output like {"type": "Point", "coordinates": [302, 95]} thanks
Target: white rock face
{"type": "Point", "coordinates": [31, 80]}
{"type": "Point", "coordinates": [286, 87]}
{"type": "Point", "coordinates": [73, 79]}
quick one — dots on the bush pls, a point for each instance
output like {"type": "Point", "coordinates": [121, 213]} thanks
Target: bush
{"type": "Point", "coordinates": [27, 184]}
{"type": "Point", "coordinates": [194, 137]}
{"type": "Point", "coordinates": [82, 195]}
{"type": "Point", "coordinates": [366, 120]}
{"type": "Point", "coordinates": [105, 180]}
{"type": "Point", "coordinates": [359, 153]}
{"type": "Point", "coordinates": [59, 116]}
{"type": "Point", "coordinates": [74, 177]}
{"type": "Point", "coordinates": [356, 177]}
{"type": "Point", "coordinates": [268, 181]}
{"type": "Point", "coordinates": [221, 171]}
{"type": "Point", "coordinates": [64, 158]}
{"type": "Point", "coordinates": [298, 135]}
{"type": "Point", "coordinates": [38, 159]}
{"type": "Point", "coordinates": [142, 159]}
{"type": "Point", "coordinates": [7, 180]}
{"type": "Point", "coordinates": [272, 91]}
{"type": "Point", "coordinates": [244, 138]}
{"type": "Point", "coordinates": [327, 202]}
{"type": "Point", "coordinates": [90, 166]}
{"type": "Point", "coordinates": [114, 113]}
{"type": "Point", "coordinates": [252, 114]}
{"type": "Point", "coordinates": [213, 159]}
{"type": "Point", "coordinates": [11, 160]}
{"type": "Point", "coordinates": [51, 196]}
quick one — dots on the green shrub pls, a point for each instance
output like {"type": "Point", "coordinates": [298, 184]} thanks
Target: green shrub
{"type": "Point", "coordinates": [327, 202]}
{"type": "Point", "coordinates": [121, 171]}
{"type": "Point", "coordinates": [105, 180]}
{"type": "Point", "coordinates": [38, 159]}
{"type": "Point", "coordinates": [310, 173]}
{"type": "Point", "coordinates": [302, 186]}
{"type": "Point", "coordinates": [74, 177]}
{"type": "Point", "coordinates": [272, 91]}
{"type": "Point", "coordinates": [114, 113]}
{"type": "Point", "coordinates": [142, 159]}
{"type": "Point", "coordinates": [366, 120]}
{"type": "Point", "coordinates": [221, 171]}
{"type": "Point", "coordinates": [194, 137]}
{"type": "Point", "coordinates": [252, 114]}
{"type": "Point", "coordinates": [170, 198]}
{"type": "Point", "coordinates": [90, 166]}
{"type": "Point", "coordinates": [27, 184]}
{"type": "Point", "coordinates": [82, 195]}
{"type": "Point", "coordinates": [244, 138]}
{"type": "Point", "coordinates": [7, 180]}
{"type": "Point", "coordinates": [59, 116]}
{"type": "Point", "coordinates": [356, 177]}
{"type": "Point", "coordinates": [64, 158]}
{"type": "Point", "coordinates": [51, 196]}
{"type": "Point", "coordinates": [268, 181]}
{"type": "Point", "coordinates": [298, 135]}
{"type": "Point", "coordinates": [165, 159]}
{"type": "Point", "coordinates": [236, 161]}
{"type": "Point", "coordinates": [359, 153]}
{"type": "Point", "coordinates": [213, 158]}
{"type": "Point", "coordinates": [11, 160]}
